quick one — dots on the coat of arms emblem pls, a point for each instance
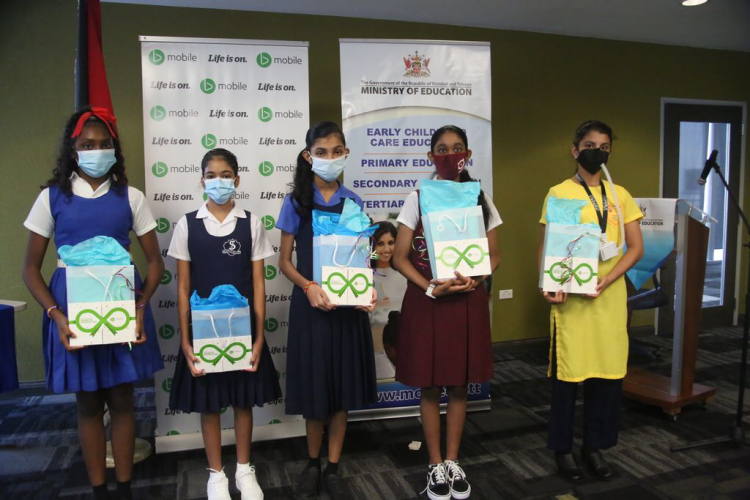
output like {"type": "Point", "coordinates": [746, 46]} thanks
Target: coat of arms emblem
{"type": "Point", "coordinates": [417, 65]}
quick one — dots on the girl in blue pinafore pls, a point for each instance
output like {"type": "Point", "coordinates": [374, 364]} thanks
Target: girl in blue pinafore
{"type": "Point", "coordinates": [221, 244]}
{"type": "Point", "coordinates": [330, 360]}
{"type": "Point", "coordinates": [89, 196]}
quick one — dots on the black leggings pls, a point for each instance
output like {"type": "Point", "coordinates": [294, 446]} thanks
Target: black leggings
{"type": "Point", "coordinates": [601, 411]}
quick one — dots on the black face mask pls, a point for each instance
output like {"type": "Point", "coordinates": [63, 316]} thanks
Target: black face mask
{"type": "Point", "coordinates": [592, 159]}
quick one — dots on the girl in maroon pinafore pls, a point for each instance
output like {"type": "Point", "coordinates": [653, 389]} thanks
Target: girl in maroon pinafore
{"type": "Point", "coordinates": [444, 339]}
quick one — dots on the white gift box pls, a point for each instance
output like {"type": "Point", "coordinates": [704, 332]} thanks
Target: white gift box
{"type": "Point", "coordinates": [468, 257]}
{"type": "Point", "coordinates": [222, 339]}
{"type": "Point", "coordinates": [457, 241]}
{"type": "Point", "coordinates": [570, 258]}
{"type": "Point", "coordinates": [101, 304]}
{"type": "Point", "coordinates": [347, 286]}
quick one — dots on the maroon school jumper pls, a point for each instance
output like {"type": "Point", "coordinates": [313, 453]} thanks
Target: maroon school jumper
{"type": "Point", "coordinates": [444, 341]}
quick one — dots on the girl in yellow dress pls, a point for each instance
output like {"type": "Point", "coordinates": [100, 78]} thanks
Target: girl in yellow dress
{"type": "Point", "coordinates": [589, 336]}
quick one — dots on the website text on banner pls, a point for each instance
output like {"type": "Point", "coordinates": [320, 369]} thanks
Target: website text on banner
{"type": "Point", "coordinates": [252, 98]}
{"type": "Point", "coordinates": [395, 94]}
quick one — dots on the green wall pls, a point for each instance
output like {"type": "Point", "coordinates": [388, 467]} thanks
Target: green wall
{"type": "Point", "coordinates": [543, 87]}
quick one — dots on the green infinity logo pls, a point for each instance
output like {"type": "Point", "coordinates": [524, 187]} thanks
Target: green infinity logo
{"type": "Point", "coordinates": [347, 284]}
{"type": "Point", "coordinates": [102, 321]}
{"type": "Point", "coordinates": [452, 256]}
{"type": "Point", "coordinates": [583, 273]}
{"type": "Point", "coordinates": [216, 353]}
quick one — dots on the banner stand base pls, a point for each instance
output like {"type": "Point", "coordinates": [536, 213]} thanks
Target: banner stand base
{"type": "Point", "coordinates": [194, 440]}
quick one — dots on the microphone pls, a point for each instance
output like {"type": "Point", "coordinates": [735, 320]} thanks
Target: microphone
{"type": "Point", "coordinates": [710, 163]}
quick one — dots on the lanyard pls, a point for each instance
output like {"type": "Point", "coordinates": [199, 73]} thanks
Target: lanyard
{"type": "Point", "coordinates": [602, 217]}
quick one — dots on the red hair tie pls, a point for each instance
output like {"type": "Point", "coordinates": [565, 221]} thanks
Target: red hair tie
{"type": "Point", "coordinates": [102, 113]}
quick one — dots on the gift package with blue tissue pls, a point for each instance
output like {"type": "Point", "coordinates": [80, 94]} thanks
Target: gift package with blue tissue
{"type": "Point", "coordinates": [454, 228]}
{"type": "Point", "coordinates": [222, 330]}
{"type": "Point", "coordinates": [341, 254]}
{"type": "Point", "coordinates": [100, 284]}
{"type": "Point", "coordinates": [570, 259]}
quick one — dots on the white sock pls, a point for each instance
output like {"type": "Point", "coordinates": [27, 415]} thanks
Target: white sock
{"type": "Point", "coordinates": [243, 467]}
{"type": "Point", "coordinates": [214, 473]}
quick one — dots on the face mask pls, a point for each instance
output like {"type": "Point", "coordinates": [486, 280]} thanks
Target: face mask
{"type": "Point", "coordinates": [96, 163]}
{"type": "Point", "coordinates": [449, 166]}
{"type": "Point", "coordinates": [328, 170]}
{"type": "Point", "coordinates": [591, 159]}
{"type": "Point", "coordinates": [219, 190]}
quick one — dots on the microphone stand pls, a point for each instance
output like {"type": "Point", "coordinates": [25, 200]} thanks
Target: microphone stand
{"type": "Point", "coordinates": [737, 433]}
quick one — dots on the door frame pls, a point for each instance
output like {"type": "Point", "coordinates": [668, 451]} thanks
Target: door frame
{"type": "Point", "coordinates": [741, 195]}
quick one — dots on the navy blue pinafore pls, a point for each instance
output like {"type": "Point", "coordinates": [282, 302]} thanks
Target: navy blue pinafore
{"type": "Point", "coordinates": [99, 366]}
{"type": "Point", "coordinates": [330, 359]}
{"type": "Point", "coordinates": [210, 266]}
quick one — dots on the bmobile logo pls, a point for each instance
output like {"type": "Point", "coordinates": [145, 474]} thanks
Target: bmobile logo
{"type": "Point", "coordinates": [156, 57]}
{"type": "Point", "coordinates": [272, 324]}
{"type": "Point", "coordinates": [417, 65]}
{"type": "Point", "coordinates": [270, 272]}
{"type": "Point", "coordinates": [264, 59]}
{"type": "Point", "coordinates": [208, 141]}
{"type": "Point", "coordinates": [274, 421]}
{"type": "Point", "coordinates": [158, 113]}
{"type": "Point", "coordinates": [208, 86]}
{"type": "Point", "coordinates": [162, 225]}
{"type": "Point", "coordinates": [167, 384]}
{"type": "Point", "coordinates": [265, 168]}
{"type": "Point", "coordinates": [159, 169]}
{"type": "Point", "coordinates": [166, 278]}
{"type": "Point", "coordinates": [173, 433]}
{"type": "Point", "coordinates": [265, 114]}
{"type": "Point", "coordinates": [268, 222]}
{"type": "Point", "coordinates": [167, 331]}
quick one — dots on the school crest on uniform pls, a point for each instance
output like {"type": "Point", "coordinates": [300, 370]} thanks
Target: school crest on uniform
{"type": "Point", "coordinates": [417, 65]}
{"type": "Point", "coordinates": [232, 247]}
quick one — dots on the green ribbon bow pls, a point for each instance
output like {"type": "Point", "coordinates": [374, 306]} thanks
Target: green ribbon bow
{"type": "Point", "coordinates": [218, 353]}
{"type": "Point", "coordinates": [102, 321]}
{"type": "Point", "coordinates": [567, 273]}
{"type": "Point", "coordinates": [348, 284]}
{"type": "Point", "coordinates": [459, 256]}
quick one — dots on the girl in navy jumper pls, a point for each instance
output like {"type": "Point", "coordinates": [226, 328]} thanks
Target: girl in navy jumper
{"type": "Point", "coordinates": [221, 244]}
{"type": "Point", "coordinates": [89, 196]}
{"type": "Point", "coordinates": [330, 360]}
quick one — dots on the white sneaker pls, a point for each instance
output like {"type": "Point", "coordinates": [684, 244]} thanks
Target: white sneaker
{"type": "Point", "coordinates": [247, 482]}
{"type": "Point", "coordinates": [460, 487]}
{"type": "Point", "coordinates": [218, 486]}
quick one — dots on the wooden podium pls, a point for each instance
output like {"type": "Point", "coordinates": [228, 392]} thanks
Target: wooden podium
{"type": "Point", "coordinates": [672, 393]}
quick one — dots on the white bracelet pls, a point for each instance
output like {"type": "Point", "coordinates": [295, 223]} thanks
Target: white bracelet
{"type": "Point", "coordinates": [429, 291]}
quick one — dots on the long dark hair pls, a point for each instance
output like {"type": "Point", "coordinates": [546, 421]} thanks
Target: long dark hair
{"type": "Point", "coordinates": [66, 159]}
{"type": "Point", "coordinates": [302, 184]}
{"type": "Point", "coordinates": [383, 227]}
{"type": "Point", "coordinates": [464, 175]}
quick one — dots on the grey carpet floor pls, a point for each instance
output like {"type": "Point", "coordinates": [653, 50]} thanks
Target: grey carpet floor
{"type": "Point", "coordinates": [503, 451]}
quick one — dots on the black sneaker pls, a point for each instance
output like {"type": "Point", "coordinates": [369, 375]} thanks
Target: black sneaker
{"type": "Point", "coordinates": [336, 487]}
{"type": "Point", "coordinates": [460, 487]}
{"type": "Point", "coordinates": [308, 485]}
{"type": "Point", "coordinates": [437, 484]}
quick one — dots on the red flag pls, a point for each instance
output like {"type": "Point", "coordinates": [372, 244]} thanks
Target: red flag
{"type": "Point", "coordinates": [92, 88]}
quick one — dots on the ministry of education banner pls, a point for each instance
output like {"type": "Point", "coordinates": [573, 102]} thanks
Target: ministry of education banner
{"type": "Point", "coordinates": [395, 94]}
{"type": "Point", "coordinates": [252, 98]}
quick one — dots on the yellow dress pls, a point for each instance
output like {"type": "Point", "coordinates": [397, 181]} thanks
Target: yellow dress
{"type": "Point", "coordinates": [592, 337]}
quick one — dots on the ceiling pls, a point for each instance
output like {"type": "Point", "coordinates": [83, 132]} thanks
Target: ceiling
{"type": "Point", "coordinates": [718, 24]}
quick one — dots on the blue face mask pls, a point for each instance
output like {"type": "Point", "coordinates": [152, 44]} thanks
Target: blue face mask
{"type": "Point", "coordinates": [328, 170]}
{"type": "Point", "coordinates": [96, 163]}
{"type": "Point", "coordinates": [219, 190]}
